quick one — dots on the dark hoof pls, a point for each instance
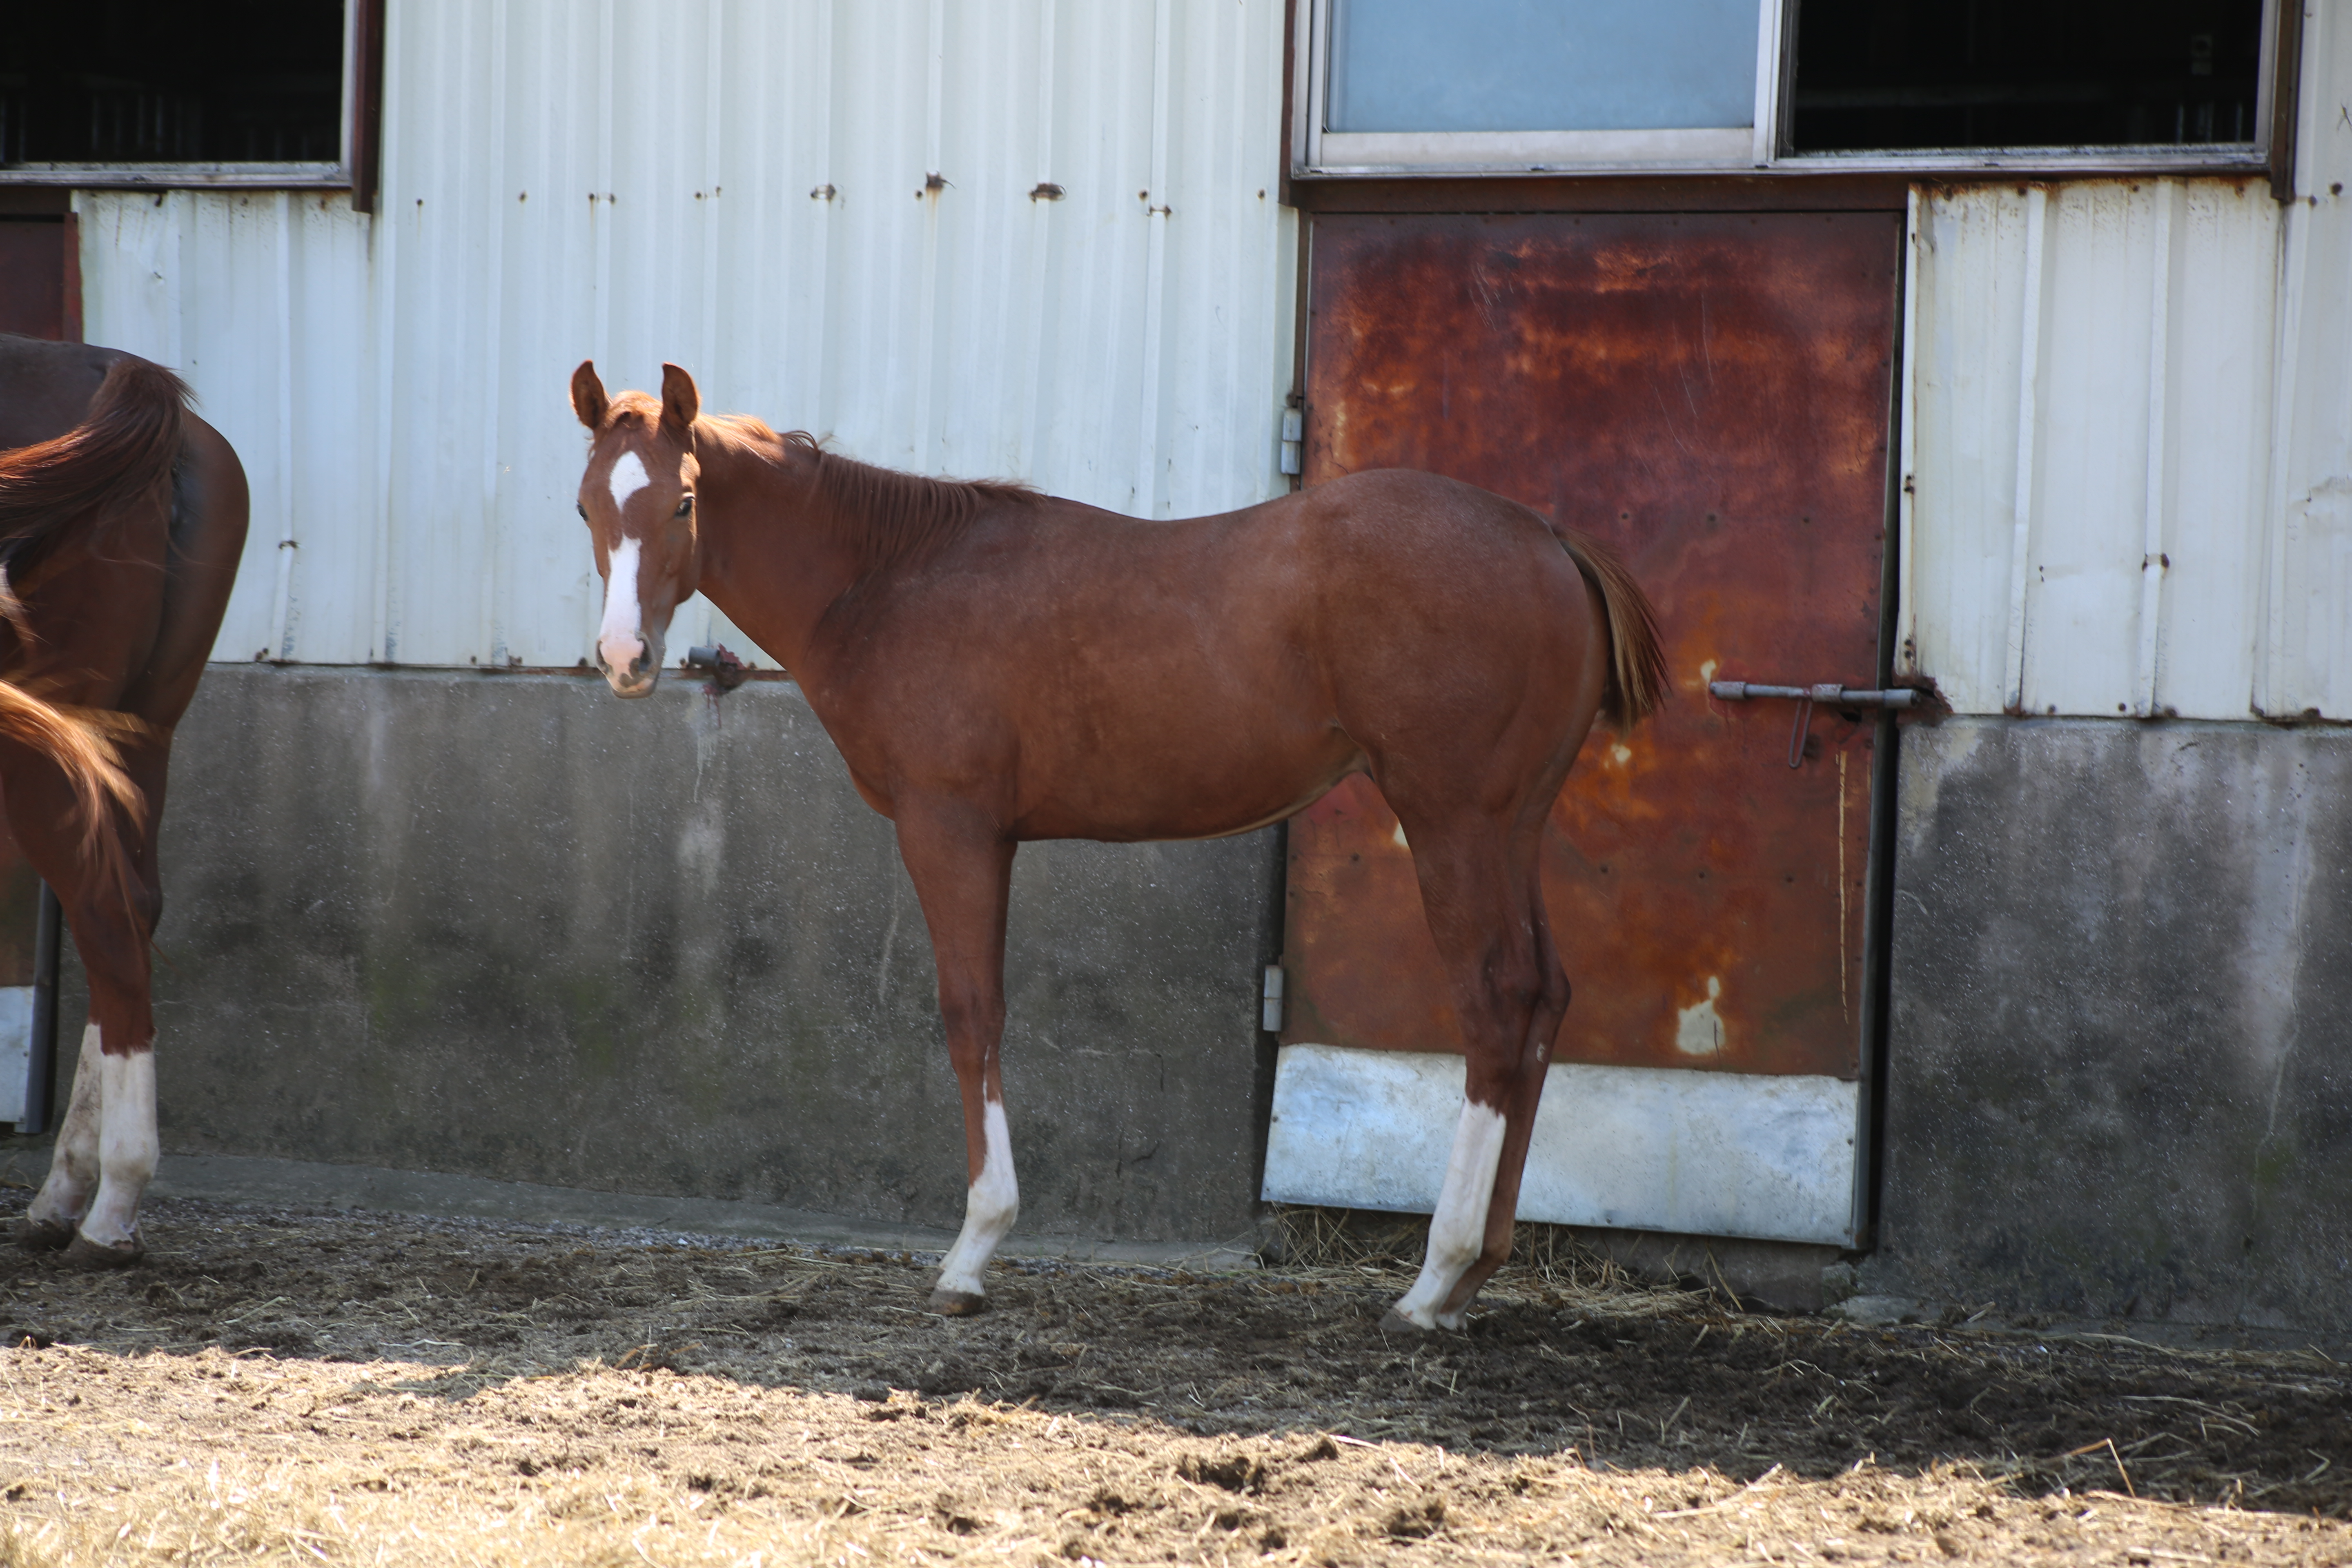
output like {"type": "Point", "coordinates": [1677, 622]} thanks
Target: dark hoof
{"type": "Point", "coordinates": [958, 1303]}
{"type": "Point", "coordinates": [84, 1253]}
{"type": "Point", "coordinates": [43, 1235]}
{"type": "Point", "coordinates": [1395, 1322]}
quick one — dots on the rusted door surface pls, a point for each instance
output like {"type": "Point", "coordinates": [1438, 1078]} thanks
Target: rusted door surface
{"type": "Point", "coordinates": [1710, 395]}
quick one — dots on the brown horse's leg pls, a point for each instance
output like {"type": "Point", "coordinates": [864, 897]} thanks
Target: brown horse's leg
{"type": "Point", "coordinates": [1520, 1119]}
{"type": "Point", "coordinates": [112, 1114]}
{"type": "Point", "coordinates": [1477, 880]}
{"type": "Point", "coordinates": [962, 870]}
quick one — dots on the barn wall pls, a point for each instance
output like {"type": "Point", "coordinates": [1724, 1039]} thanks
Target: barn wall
{"type": "Point", "coordinates": [2121, 1081]}
{"type": "Point", "coordinates": [634, 183]}
{"type": "Point", "coordinates": [507, 926]}
{"type": "Point", "coordinates": [2127, 438]}
{"type": "Point", "coordinates": [2119, 1069]}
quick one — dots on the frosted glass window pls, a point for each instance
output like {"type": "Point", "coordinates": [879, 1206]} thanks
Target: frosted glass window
{"type": "Point", "coordinates": [1541, 65]}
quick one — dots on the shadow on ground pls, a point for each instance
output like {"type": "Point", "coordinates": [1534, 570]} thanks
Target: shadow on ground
{"type": "Point", "coordinates": [1568, 1354]}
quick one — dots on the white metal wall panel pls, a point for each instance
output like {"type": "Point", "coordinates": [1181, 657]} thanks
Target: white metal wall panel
{"type": "Point", "coordinates": [2306, 665]}
{"type": "Point", "coordinates": [744, 188]}
{"type": "Point", "coordinates": [2089, 394]}
{"type": "Point", "coordinates": [260, 298]}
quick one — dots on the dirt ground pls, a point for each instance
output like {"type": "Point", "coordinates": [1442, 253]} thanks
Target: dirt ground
{"type": "Point", "coordinates": [354, 1388]}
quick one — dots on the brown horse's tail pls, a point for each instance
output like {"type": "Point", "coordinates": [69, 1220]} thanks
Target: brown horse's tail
{"type": "Point", "coordinates": [81, 743]}
{"type": "Point", "coordinates": [1637, 665]}
{"type": "Point", "coordinates": [124, 449]}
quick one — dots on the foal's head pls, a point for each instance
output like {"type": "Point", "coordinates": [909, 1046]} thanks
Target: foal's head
{"type": "Point", "coordinates": [637, 498]}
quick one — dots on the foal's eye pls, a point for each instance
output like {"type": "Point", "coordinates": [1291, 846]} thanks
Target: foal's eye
{"type": "Point", "coordinates": [582, 508]}
{"type": "Point", "coordinates": [685, 507]}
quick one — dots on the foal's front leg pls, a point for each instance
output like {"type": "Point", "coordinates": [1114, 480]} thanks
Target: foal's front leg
{"type": "Point", "coordinates": [963, 869]}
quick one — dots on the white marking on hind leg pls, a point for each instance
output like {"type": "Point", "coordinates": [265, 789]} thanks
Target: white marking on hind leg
{"type": "Point", "coordinates": [126, 1148]}
{"type": "Point", "coordinates": [73, 1167]}
{"type": "Point", "coordinates": [1457, 1231]}
{"type": "Point", "coordinates": [989, 1208]}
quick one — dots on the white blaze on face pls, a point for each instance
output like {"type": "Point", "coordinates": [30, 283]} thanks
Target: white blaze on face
{"type": "Point", "coordinates": [622, 640]}
{"type": "Point", "coordinates": [628, 477]}
{"type": "Point", "coordinates": [1458, 1229]}
{"type": "Point", "coordinates": [989, 1207]}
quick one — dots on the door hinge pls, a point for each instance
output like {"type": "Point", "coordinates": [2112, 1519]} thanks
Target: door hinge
{"type": "Point", "coordinates": [1294, 435]}
{"type": "Point", "coordinates": [1270, 1001]}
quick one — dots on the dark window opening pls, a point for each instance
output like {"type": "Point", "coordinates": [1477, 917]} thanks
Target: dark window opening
{"type": "Point", "coordinates": [1907, 75]}
{"type": "Point", "coordinates": [150, 81]}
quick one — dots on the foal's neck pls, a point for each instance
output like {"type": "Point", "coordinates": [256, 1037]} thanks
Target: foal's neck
{"type": "Point", "coordinates": [771, 561]}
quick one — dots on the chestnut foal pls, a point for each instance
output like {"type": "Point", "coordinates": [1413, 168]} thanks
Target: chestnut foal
{"type": "Point", "coordinates": [122, 518]}
{"type": "Point", "coordinates": [996, 665]}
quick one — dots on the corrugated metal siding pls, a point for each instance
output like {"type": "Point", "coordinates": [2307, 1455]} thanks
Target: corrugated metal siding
{"type": "Point", "coordinates": [2306, 652]}
{"type": "Point", "coordinates": [2128, 437]}
{"type": "Point", "coordinates": [634, 183]}
{"type": "Point", "coordinates": [2090, 384]}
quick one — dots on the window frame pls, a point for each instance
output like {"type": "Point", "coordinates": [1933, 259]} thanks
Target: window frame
{"type": "Point", "coordinates": [1316, 153]}
{"type": "Point", "coordinates": [354, 170]}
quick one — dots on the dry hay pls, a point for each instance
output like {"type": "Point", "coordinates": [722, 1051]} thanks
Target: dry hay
{"type": "Point", "coordinates": [361, 1389]}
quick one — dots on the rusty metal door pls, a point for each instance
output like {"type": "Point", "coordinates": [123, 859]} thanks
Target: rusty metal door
{"type": "Point", "coordinates": [1710, 395]}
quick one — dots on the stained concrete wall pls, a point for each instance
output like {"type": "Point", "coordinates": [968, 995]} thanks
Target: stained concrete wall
{"type": "Point", "coordinates": [2119, 1075]}
{"type": "Point", "coordinates": [510, 926]}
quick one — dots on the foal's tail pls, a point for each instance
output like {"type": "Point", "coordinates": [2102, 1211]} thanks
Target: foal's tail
{"type": "Point", "coordinates": [123, 449]}
{"type": "Point", "coordinates": [81, 743]}
{"type": "Point", "coordinates": [1637, 666]}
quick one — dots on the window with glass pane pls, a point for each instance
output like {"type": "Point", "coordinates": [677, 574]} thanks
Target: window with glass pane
{"type": "Point", "coordinates": [1916, 75]}
{"type": "Point", "coordinates": [1540, 64]}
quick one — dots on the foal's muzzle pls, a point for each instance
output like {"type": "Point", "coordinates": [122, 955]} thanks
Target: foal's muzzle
{"type": "Point", "coordinates": [641, 672]}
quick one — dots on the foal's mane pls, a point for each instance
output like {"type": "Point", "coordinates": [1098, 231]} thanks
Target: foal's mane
{"type": "Point", "coordinates": [888, 516]}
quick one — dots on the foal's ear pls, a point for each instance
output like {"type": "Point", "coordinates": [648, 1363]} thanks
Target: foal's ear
{"type": "Point", "coordinates": [680, 402]}
{"type": "Point", "coordinates": [588, 399]}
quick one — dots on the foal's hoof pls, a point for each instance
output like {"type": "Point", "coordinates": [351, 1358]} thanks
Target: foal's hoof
{"type": "Point", "coordinates": [84, 1253]}
{"type": "Point", "coordinates": [42, 1235]}
{"type": "Point", "coordinates": [1396, 1323]}
{"type": "Point", "coordinates": [958, 1303]}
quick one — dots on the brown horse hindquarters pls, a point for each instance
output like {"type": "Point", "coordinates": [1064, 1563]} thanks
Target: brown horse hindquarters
{"type": "Point", "coordinates": [123, 609]}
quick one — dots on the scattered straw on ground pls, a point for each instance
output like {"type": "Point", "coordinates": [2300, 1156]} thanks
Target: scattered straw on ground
{"type": "Point", "coordinates": [355, 1389]}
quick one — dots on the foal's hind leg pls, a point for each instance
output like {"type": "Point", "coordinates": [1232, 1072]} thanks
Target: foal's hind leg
{"type": "Point", "coordinates": [1478, 890]}
{"type": "Point", "coordinates": [49, 1220]}
{"type": "Point", "coordinates": [106, 1148]}
{"type": "Point", "coordinates": [1526, 1096]}
{"type": "Point", "coordinates": [962, 870]}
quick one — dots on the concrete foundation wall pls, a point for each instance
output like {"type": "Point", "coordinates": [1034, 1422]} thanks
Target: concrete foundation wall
{"type": "Point", "coordinates": [2119, 1079]}
{"type": "Point", "coordinates": [510, 926]}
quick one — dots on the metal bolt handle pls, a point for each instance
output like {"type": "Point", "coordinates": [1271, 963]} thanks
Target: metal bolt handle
{"type": "Point", "coordinates": [1828, 691]}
